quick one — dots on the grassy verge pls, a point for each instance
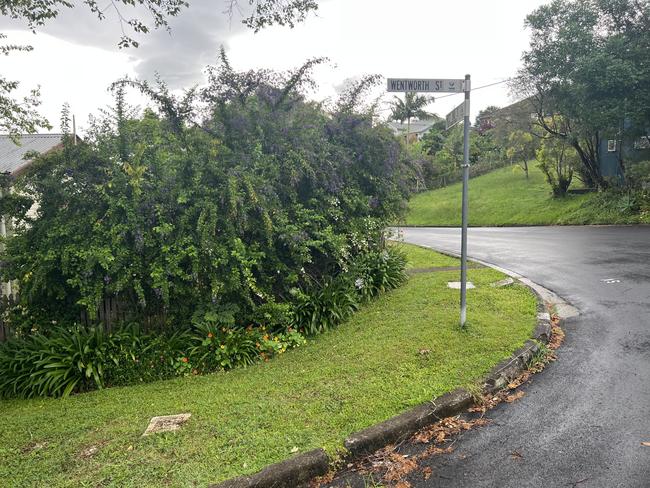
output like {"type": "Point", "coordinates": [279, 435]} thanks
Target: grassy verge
{"type": "Point", "coordinates": [365, 371]}
{"type": "Point", "coordinates": [504, 197]}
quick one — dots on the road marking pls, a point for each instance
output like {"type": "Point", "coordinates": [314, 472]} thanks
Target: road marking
{"type": "Point", "coordinates": [610, 281]}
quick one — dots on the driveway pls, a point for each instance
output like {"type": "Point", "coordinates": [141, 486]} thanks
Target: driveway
{"type": "Point", "coordinates": [582, 420]}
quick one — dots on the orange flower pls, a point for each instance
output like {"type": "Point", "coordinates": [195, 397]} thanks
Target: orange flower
{"type": "Point", "coordinates": [185, 360]}
{"type": "Point", "coordinates": [210, 335]}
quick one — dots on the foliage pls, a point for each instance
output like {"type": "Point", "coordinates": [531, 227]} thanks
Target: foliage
{"type": "Point", "coordinates": [522, 147]}
{"type": "Point", "coordinates": [264, 13]}
{"type": "Point", "coordinates": [61, 361]}
{"type": "Point", "coordinates": [638, 175]}
{"type": "Point", "coordinates": [215, 349]}
{"type": "Point", "coordinates": [18, 116]}
{"type": "Point", "coordinates": [452, 152]}
{"type": "Point", "coordinates": [66, 361]}
{"type": "Point", "coordinates": [379, 271]}
{"type": "Point", "coordinates": [557, 161]}
{"type": "Point", "coordinates": [71, 361]}
{"type": "Point", "coordinates": [485, 119]}
{"type": "Point", "coordinates": [178, 218]}
{"type": "Point", "coordinates": [588, 62]}
{"type": "Point", "coordinates": [325, 305]}
{"type": "Point", "coordinates": [434, 138]}
{"type": "Point", "coordinates": [21, 115]}
{"type": "Point", "coordinates": [280, 12]}
{"type": "Point", "coordinates": [412, 106]}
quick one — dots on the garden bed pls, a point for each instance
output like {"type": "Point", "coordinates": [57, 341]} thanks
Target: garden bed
{"type": "Point", "coordinates": [396, 352]}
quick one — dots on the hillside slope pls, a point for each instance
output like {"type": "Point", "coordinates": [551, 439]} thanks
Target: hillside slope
{"type": "Point", "coordinates": [504, 197]}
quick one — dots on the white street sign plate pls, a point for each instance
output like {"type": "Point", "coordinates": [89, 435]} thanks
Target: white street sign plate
{"type": "Point", "coordinates": [424, 85]}
{"type": "Point", "coordinates": [455, 116]}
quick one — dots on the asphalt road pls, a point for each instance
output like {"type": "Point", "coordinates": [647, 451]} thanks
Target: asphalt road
{"type": "Point", "coordinates": [583, 419]}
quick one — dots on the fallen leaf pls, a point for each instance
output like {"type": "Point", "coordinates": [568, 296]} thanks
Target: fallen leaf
{"type": "Point", "coordinates": [515, 397]}
{"type": "Point", "coordinates": [516, 455]}
{"type": "Point", "coordinates": [294, 450]}
{"type": "Point", "coordinates": [427, 472]}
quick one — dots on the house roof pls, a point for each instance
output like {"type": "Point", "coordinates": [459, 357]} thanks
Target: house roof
{"type": "Point", "coordinates": [417, 126]}
{"type": "Point", "coordinates": [12, 154]}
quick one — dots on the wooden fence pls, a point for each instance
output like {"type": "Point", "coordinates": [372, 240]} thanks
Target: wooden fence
{"type": "Point", "coordinates": [111, 313]}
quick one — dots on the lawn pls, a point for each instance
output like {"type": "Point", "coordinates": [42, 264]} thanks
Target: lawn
{"type": "Point", "coordinates": [504, 197]}
{"type": "Point", "coordinates": [365, 371]}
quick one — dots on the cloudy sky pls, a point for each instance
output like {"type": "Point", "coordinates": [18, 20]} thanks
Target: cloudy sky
{"type": "Point", "coordinates": [76, 57]}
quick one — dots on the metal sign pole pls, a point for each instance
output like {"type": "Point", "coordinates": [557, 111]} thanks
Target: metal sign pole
{"type": "Point", "coordinates": [463, 241]}
{"type": "Point", "coordinates": [449, 86]}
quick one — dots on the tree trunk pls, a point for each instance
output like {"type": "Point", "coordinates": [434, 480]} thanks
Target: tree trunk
{"type": "Point", "coordinates": [592, 174]}
{"type": "Point", "coordinates": [408, 129]}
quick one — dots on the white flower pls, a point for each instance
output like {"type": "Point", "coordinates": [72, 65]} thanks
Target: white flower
{"type": "Point", "coordinates": [359, 283]}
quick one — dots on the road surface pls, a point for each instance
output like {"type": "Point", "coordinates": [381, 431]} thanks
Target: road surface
{"type": "Point", "coordinates": [582, 420]}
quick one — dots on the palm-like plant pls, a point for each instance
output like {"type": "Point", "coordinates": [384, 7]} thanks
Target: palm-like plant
{"type": "Point", "coordinates": [412, 106]}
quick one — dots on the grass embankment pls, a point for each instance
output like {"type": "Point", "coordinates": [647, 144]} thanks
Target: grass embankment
{"type": "Point", "coordinates": [365, 371]}
{"type": "Point", "coordinates": [504, 197]}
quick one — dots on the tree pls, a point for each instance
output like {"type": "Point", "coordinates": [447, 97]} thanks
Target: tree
{"type": "Point", "coordinates": [557, 159]}
{"type": "Point", "coordinates": [411, 107]}
{"type": "Point", "coordinates": [434, 138]}
{"type": "Point", "coordinates": [485, 119]}
{"type": "Point", "coordinates": [521, 148]}
{"type": "Point", "coordinates": [18, 116]}
{"type": "Point", "coordinates": [588, 61]}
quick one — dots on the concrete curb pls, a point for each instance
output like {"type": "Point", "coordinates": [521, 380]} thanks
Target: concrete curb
{"type": "Point", "coordinates": [300, 469]}
{"type": "Point", "coordinates": [402, 426]}
{"type": "Point", "coordinates": [286, 474]}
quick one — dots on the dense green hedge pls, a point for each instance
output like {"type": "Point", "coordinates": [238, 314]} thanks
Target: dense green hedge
{"type": "Point", "coordinates": [216, 207]}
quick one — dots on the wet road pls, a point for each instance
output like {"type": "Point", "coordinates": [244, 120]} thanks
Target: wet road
{"type": "Point", "coordinates": [582, 420]}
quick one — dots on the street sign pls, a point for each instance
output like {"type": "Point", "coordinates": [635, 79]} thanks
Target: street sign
{"type": "Point", "coordinates": [424, 85]}
{"type": "Point", "coordinates": [456, 115]}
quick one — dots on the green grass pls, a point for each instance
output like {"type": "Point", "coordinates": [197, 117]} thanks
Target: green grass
{"type": "Point", "coordinates": [420, 257]}
{"type": "Point", "coordinates": [504, 197]}
{"type": "Point", "coordinates": [365, 371]}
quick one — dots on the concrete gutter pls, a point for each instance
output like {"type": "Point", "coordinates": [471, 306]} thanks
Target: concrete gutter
{"type": "Point", "coordinates": [299, 470]}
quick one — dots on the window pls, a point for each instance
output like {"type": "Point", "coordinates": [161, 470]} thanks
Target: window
{"type": "Point", "coordinates": [611, 145]}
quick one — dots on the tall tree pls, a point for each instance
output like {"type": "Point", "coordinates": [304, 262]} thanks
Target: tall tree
{"type": "Point", "coordinates": [412, 106]}
{"type": "Point", "coordinates": [589, 60]}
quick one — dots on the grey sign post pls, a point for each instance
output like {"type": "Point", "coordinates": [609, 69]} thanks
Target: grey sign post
{"type": "Point", "coordinates": [463, 238]}
{"type": "Point", "coordinates": [455, 116]}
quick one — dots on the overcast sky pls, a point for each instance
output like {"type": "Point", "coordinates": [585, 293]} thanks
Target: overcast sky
{"type": "Point", "coordinates": [76, 57]}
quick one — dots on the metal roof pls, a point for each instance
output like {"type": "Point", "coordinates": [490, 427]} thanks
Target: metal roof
{"type": "Point", "coordinates": [11, 155]}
